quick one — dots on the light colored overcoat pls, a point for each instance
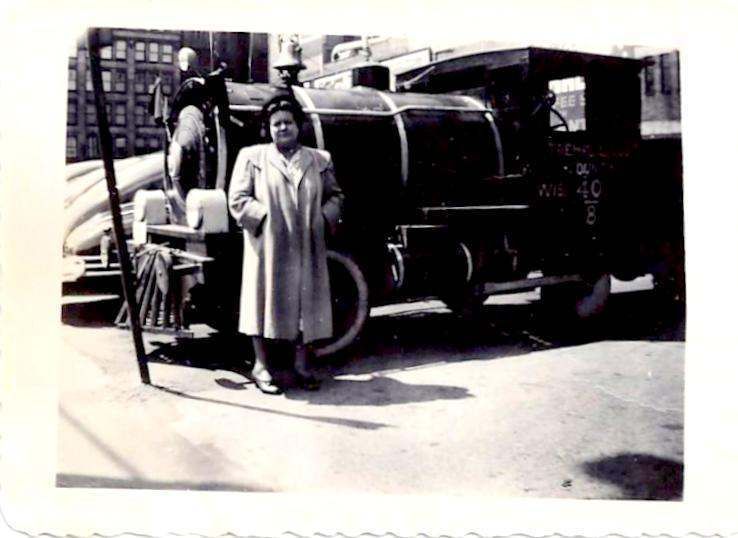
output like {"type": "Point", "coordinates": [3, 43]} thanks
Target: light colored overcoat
{"type": "Point", "coordinates": [285, 273]}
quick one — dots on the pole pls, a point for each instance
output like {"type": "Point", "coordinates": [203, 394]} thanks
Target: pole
{"type": "Point", "coordinates": [106, 147]}
{"type": "Point", "coordinates": [212, 60]}
{"type": "Point", "coordinates": [251, 57]}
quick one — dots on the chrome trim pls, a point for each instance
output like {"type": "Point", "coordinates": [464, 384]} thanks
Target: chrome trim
{"type": "Point", "coordinates": [469, 261]}
{"type": "Point", "coordinates": [314, 116]}
{"type": "Point", "coordinates": [236, 121]}
{"type": "Point", "coordinates": [379, 113]}
{"type": "Point", "coordinates": [404, 148]}
{"type": "Point", "coordinates": [397, 252]}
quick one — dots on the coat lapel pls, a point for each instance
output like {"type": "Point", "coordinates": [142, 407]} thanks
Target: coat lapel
{"type": "Point", "coordinates": [276, 160]}
{"type": "Point", "coordinates": [306, 161]}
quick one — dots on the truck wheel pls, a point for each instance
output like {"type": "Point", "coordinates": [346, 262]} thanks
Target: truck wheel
{"type": "Point", "coordinates": [350, 302]}
{"type": "Point", "coordinates": [584, 301]}
{"type": "Point", "coordinates": [459, 294]}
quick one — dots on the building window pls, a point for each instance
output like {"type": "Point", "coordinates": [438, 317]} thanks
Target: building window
{"type": "Point", "coordinates": [72, 79]}
{"type": "Point", "coordinates": [120, 50]}
{"type": "Point", "coordinates": [139, 115]}
{"type": "Point", "coordinates": [106, 53]}
{"type": "Point", "coordinates": [139, 51]}
{"type": "Point", "coordinates": [108, 111]}
{"type": "Point", "coordinates": [71, 147]}
{"type": "Point", "coordinates": [107, 77]}
{"type": "Point", "coordinates": [154, 142]}
{"type": "Point", "coordinates": [71, 113]}
{"type": "Point", "coordinates": [666, 74]}
{"type": "Point", "coordinates": [120, 114]}
{"type": "Point", "coordinates": [93, 146]}
{"type": "Point", "coordinates": [166, 83]}
{"type": "Point", "coordinates": [167, 53]}
{"type": "Point", "coordinates": [153, 51]}
{"type": "Point", "coordinates": [120, 147]}
{"type": "Point", "coordinates": [140, 146]}
{"type": "Point", "coordinates": [139, 82]}
{"type": "Point", "coordinates": [649, 79]}
{"type": "Point", "coordinates": [90, 115]}
{"type": "Point", "coordinates": [120, 81]}
{"type": "Point", "coordinates": [88, 80]}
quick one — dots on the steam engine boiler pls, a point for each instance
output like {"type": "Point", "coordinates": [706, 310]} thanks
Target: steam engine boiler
{"type": "Point", "coordinates": [446, 195]}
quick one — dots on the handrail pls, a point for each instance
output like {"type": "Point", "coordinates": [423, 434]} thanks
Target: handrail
{"type": "Point", "coordinates": [377, 113]}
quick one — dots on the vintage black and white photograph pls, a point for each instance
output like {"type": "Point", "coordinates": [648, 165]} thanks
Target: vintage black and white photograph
{"type": "Point", "coordinates": [374, 264]}
{"type": "Point", "coordinates": [392, 268]}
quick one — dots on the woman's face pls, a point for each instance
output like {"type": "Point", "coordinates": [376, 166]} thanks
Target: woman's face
{"type": "Point", "coordinates": [283, 128]}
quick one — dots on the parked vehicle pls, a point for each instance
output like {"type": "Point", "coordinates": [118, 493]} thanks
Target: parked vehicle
{"type": "Point", "coordinates": [468, 182]}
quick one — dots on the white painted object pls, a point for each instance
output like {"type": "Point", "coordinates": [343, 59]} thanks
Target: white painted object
{"type": "Point", "coordinates": [139, 232]}
{"type": "Point", "coordinates": [207, 210]}
{"type": "Point", "coordinates": [150, 207]}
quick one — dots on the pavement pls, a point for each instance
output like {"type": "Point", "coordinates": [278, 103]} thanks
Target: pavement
{"type": "Point", "coordinates": [426, 403]}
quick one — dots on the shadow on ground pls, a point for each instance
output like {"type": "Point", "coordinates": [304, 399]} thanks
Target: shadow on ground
{"type": "Point", "coordinates": [436, 335]}
{"type": "Point", "coordinates": [422, 336]}
{"type": "Point", "coordinates": [64, 480]}
{"type": "Point", "coordinates": [377, 391]}
{"type": "Point", "coordinates": [640, 476]}
{"type": "Point", "coordinates": [216, 351]}
{"type": "Point", "coordinates": [336, 421]}
{"type": "Point", "coordinates": [91, 313]}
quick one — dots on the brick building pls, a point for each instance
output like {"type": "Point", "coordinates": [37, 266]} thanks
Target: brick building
{"type": "Point", "coordinates": [661, 95]}
{"type": "Point", "coordinates": [135, 58]}
{"type": "Point", "coordinates": [130, 65]}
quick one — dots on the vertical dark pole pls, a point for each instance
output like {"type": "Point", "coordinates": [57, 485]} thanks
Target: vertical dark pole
{"type": "Point", "coordinates": [106, 147]}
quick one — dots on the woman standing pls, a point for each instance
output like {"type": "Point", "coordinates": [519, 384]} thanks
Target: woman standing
{"type": "Point", "coordinates": [284, 195]}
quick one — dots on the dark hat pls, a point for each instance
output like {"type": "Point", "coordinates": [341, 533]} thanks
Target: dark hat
{"type": "Point", "coordinates": [285, 102]}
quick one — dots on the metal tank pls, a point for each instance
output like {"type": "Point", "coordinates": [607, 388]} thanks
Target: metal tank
{"type": "Point", "coordinates": [409, 164]}
{"type": "Point", "coordinates": [398, 152]}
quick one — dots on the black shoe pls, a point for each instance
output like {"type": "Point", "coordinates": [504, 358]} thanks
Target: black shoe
{"type": "Point", "coordinates": [307, 382]}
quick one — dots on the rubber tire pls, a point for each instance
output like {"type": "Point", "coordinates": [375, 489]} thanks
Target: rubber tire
{"type": "Point", "coordinates": [349, 317]}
